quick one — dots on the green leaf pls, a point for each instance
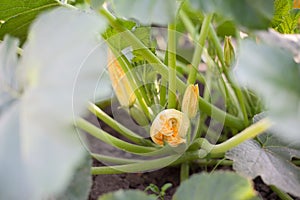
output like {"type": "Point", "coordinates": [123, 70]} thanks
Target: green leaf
{"type": "Point", "coordinates": [166, 186]}
{"type": "Point", "coordinates": [216, 186]}
{"type": "Point", "coordinates": [79, 187]}
{"type": "Point", "coordinates": [147, 11]}
{"type": "Point", "coordinates": [16, 16]}
{"type": "Point", "coordinates": [116, 39]}
{"type": "Point", "coordinates": [269, 158]}
{"type": "Point", "coordinates": [154, 188]}
{"type": "Point", "coordinates": [9, 87]}
{"type": "Point", "coordinates": [127, 195]}
{"type": "Point", "coordinates": [59, 71]}
{"type": "Point", "coordinates": [251, 14]}
{"type": "Point", "coordinates": [272, 72]}
{"type": "Point", "coordinates": [13, 182]}
{"type": "Point", "coordinates": [285, 17]}
{"type": "Point", "coordinates": [282, 8]}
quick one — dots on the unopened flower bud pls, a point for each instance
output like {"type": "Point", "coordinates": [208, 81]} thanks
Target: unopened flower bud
{"type": "Point", "coordinates": [190, 101]}
{"type": "Point", "coordinates": [170, 126]}
{"type": "Point", "coordinates": [120, 82]}
{"type": "Point", "coordinates": [229, 54]}
{"type": "Point", "coordinates": [138, 116]}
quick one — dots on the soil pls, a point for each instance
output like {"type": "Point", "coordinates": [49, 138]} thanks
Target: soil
{"type": "Point", "coordinates": [108, 183]}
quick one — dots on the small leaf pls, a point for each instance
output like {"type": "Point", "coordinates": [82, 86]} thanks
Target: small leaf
{"type": "Point", "coordinates": [216, 186]}
{"type": "Point", "coordinates": [166, 186]}
{"type": "Point", "coordinates": [127, 195]}
{"type": "Point", "coordinates": [79, 187]}
{"type": "Point", "coordinates": [251, 14]}
{"type": "Point", "coordinates": [272, 72]}
{"type": "Point", "coordinates": [269, 159]}
{"type": "Point", "coordinates": [16, 16]}
{"type": "Point", "coordinates": [147, 11]}
{"type": "Point", "coordinates": [153, 188]}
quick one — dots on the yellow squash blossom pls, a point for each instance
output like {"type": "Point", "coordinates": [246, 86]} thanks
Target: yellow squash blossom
{"type": "Point", "coordinates": [120, 82]}
{"type": "Point", "coordinates": [190, 101]}
{"type": "Point", "coordinates": [170, 126]}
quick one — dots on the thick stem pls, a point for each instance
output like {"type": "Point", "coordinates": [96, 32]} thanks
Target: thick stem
{"type": "Point", "coordinates": [236, 89]}
{"type": "Point", "coordinates": [117, 126]}
{"type": "Point", "coordinates": [172, 65]}
{"type": "Point", "coordinates": [111, 140]}
{"type": "Point", "coordinates": [199, 48]}
{"type": "Point", "coordinates": [206, 162]}
{"type": "Point", "coordinates": [189, 26]}
{"type": "Point", "coordinates": [136, 167]}
{"type": "Point", "coordinates": [281, 194]}
{"type": "Point", "coordinates": [220, 115]}
{"type": "Point", "coordinates": [249, 133]}
{"type": "Point", "coordinates": [184, 171]}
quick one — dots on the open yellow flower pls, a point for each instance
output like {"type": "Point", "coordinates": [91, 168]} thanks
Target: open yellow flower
{"type": "Point", "coordinates": [170, 126]}
{"type": "Point", "coordinates": [120, 82]}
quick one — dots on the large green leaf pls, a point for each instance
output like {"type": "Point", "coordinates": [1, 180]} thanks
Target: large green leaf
{"type": "Point", "coordinates": [272, 72]}
{"type": "Point", "coordinates": [147, 11]}
{"type": "Point", "coordinates": [216, 186]}
{"type": "Point", "coordinates": [79, 187]}
{"type": "Point", "coordinates": [254, 14]}
{"type": "Point", "coordinates": [17, 15]}
{"type": "Point", "coordinates": [269, 158]}
{"type": "Point", "coordinates": [59, 71]}
{"type": "Point", "coordinates": [127, 195]}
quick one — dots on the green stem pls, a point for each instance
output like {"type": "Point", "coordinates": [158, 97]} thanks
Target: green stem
{"type": "Point", "coordinates": [163, 92]}
{"type": "Point", "coordinates": [114, 160]}
{"type": "Point", "coordinates": [218, 47]}
{"type": "Point", "coordinates": [159, 66]}
{"type": "Point", "coordinates": [184, 171]}
{"type": "Point", "coordinates": [206, 162]}
{"type": "Point", "coordinates": [250, 132]}
{"type": "Point", "coordinates": [220, 115]}
{"type": "Point", "coordinates": [172, 65]}
{"type": "Point", "coordinates": [236, 89]}
{"type": "Point", "coordinates": [182, 69]}
{"type": "Point", "coordinates": [199, 48]}
{"type": "Point", "coordinates": [117, 126]}
{"type": "Point", "coordinates": [109, 139]}
{"type": "Point", "coordinates": [282, 195]}
{"type": "Point", "coordinates": [189, 26]}
{"type": "Point", "coordinates": [296, 162]}
{"type": "Point", "coordinates": [136, 167]}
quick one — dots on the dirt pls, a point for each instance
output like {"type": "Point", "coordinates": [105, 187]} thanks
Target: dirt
{"type": "Point", "coordinates": [108, 183]}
